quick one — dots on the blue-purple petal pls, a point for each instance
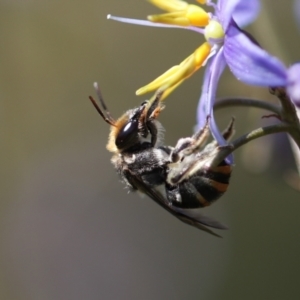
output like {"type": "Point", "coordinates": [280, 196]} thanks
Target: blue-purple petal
{"type": "Point", "coordinates": [201, 110]}
{"type": "Point", "coordinates": [225, 11]}
{"type": "Point", "coordinates": [250, 63]}
{"type": "Point", "coordinates": [246, 12]}
{"type": "Point", "coordinates": [293, 83]}
{"type": "Point", "coordinates": [216, 69]}
{"type": "Point", "coordinates": [242, 11]}
{"type": "Point", "coordinates": [208, 96]}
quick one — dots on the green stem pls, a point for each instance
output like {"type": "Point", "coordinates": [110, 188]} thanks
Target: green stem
{"type": "Point", "coordinates": [260, 132]}
{"type": "Point", "coordinates": [252, 135]}
{"type": "Point", "coordinates": [289, 115]}
{"type": "Point", "coordinates": [247, 102]}
{"type": "Point", "coordinates": [286, 112]}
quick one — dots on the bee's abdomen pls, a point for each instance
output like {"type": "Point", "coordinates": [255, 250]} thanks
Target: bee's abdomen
{"type": "Point", "coordinates": [200, 189]}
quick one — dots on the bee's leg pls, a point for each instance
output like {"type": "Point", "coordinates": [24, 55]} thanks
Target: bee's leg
{"type": "Point", "coordinates": [153, 108]}
{"type": "Point", "coordinates": [153, 131]}
{"type": "Point", "coordinates": [186, 146]}
{"type": "Point", "coordinates": [154, 105]}
{"type": "Point", "coordinates": [182, 170]}
{"type": "Point", "coordinates": [229, 131]}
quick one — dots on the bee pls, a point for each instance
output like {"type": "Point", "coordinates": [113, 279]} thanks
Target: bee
{"type": "Point", "coordinates": [181, 179]}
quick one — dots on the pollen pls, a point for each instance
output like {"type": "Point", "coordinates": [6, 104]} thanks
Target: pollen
{"type": "Point", "coordinates": [213, 30]}
{"type": "Point", "coordinates": [180, 13]}
{"type": "Point", "coordinates": [177, 74]}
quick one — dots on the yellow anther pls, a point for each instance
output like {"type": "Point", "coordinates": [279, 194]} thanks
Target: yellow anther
{"type": "Point", "coordinates": [175, 18]}
{"type": "Point", "coordinates": [160, 81]}
{"type": "Point", "coordinates": [177, 74]}
{"type": "Point", "coordinates": [213, 30]}
{"type": "Point", "coordinates": [192, 15]}
{"type": "Point", "coordinates": [170, 5]}
{"type": "Point", "coordinates": [197, 15]}
{"type": "Point", "coordinates": [168, 91]}
{"type": "Point", "coordinates": [201, 1]}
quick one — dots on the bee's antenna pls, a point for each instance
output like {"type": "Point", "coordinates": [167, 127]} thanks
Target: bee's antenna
{"type": "Point", "coordinates": [100, 97]}
{"type": "Point", "coordinates": [107, 118]}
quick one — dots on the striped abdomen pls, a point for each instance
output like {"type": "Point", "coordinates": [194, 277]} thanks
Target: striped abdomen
{"type": "Point", "coordinates": [201, 188]}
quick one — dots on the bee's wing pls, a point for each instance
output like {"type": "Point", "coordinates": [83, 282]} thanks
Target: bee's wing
{"type": "Point", "coordinates": [188, 216]}
{"type": "Point", "coordinates": [196, 215]}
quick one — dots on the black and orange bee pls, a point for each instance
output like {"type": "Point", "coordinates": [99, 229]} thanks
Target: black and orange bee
{"type": "Point", "coordinates": [181, 179]}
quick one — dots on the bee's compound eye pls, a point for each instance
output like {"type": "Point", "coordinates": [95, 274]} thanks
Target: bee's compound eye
{"type": "Point", "coordinates": [127, 135]}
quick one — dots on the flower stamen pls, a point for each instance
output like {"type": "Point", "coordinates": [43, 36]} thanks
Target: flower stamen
{"type": "Point", "coordinates": [180, 13]}
{"type": "Point", "coordinates": [177, 74]}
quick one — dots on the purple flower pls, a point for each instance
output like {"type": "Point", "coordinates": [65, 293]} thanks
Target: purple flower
{"type": "Point", "coordinates": [255, 66]}
{"type": "Point", "coordinates": [226, 44]}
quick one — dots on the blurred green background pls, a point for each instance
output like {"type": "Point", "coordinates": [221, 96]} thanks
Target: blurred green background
{"type": "Point", "coordinates": [68, 229]}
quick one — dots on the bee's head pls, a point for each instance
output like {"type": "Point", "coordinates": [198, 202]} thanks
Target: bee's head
{"type": "Point", "coordinates": [126, 132]}
{"type": "Point", "coordinates": [131, 129]}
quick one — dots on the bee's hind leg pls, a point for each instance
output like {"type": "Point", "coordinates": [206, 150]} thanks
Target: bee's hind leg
{"type": "Point", "coordinates": [186, 146]}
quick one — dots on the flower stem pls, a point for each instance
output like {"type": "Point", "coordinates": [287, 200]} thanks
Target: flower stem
{"type": "Point", "coordinates": [289, 115]}
{"type": "Point", "coordinates": [252, 135]}
{"type": "Point", "coordinates": [248, 102]}
{"type": "Point", "coordinates": [286, 113]}
{"type": "Point", "coordinates": [259, 132]}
